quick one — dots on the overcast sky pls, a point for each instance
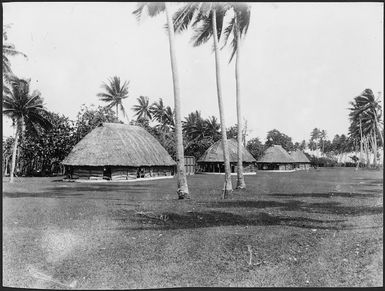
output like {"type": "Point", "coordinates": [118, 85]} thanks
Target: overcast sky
{"type": "Point", "coordinates": [301, 63]}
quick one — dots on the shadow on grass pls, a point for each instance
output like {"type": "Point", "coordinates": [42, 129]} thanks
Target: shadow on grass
{"type": "Point", "coordinates": [216, 218]}
{"type": "Point", "coordinates": [296, 205]}
{"type": "Point", "coordinates": [371, 194]}
{"type": "Point", "coordinates": [71, 190]}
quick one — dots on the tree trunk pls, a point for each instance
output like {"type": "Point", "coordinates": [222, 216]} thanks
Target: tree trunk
{"type": "Point", "coordinates": [117, 111]}
{"type": "Point", "coordinates": [361, 141]}
{"type": "Point", "coordinates": [228, 187]}
{"type": "Point", "coordinates": [378, 128]}
{"type": "Point", "coordinates": [12, 173]}
{"type": "Point", "coordinates": [241, 179]}
{"type": "Point", "coordinates": [366, 144]}
{"type": "Point", "coordinates": [374, 146]}
{"type": "Point", "coordinates": [182, 190]}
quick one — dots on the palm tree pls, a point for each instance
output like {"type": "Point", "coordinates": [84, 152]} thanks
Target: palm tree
{"type": "Point", "coordinates": [164, 115]}
{"type": "Point", "coordinates": [114, 94]}
{"type": "Point", "coordinates": [207, 21]}
{"type": "Point", "coordinates": [238, 28]}
{"type": "Point", "coordinates": [153, 9]}
{"type": "Point", "coordinates": [143, 110]}
{"type": "Point", "coordinates": [194, 126]}
{"type": "Point", "coordinates": [365, 116]}
{"type": "Point", "coordinates": [213, 128]}
{"type": "Point", "coordinates": [24, 109]}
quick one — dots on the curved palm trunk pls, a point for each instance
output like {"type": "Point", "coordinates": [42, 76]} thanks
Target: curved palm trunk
{"type": "Point", "coordinates": [227, 185]}
{"type": "Point", "coordinates": [366, 145]}
{"type": "Point", "coordinates": [182, 190]}
{"type": "Point", "coordinates": [240, 178]}
{"type": "Point", "coordinates": [13, 165]}
{"type": "Point", "coordinates": [358, 164]}
{"type": "Point", "coordinates": [378, 128]}
{"type": "Point", "coordinates": [374, 145]}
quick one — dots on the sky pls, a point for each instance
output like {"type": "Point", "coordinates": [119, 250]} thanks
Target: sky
{"type": "Point", "coordinates": [300, 66]}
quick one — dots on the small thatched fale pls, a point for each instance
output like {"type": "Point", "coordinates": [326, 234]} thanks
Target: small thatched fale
{"type": "Point", "coordinates": [212, 160]}
{"type": "Point", "coordinates": [275, 158]}
{"type": "Point", "coordinates": [118, 152]}
{"type": "Point", "coordinates": [301, 162]}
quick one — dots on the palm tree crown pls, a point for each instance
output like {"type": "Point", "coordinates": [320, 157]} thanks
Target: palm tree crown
{"type": "Point", "coordinates": [22, 107]}
{"type": "Point", "coordinates": [143, 109]}
{"type": "Point", "coordinates": [114, 94]}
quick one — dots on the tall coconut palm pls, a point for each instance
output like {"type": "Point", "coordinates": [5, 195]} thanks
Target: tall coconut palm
{"type": "Point", "coordinates": [143, 110]}
{"type": "Point", "coordinates": [24, 109]}
{"type": "Point", "coordinates": [153, 9]}
{"type": "Point", "coordinates": [114, 94]}
{"type": "Point", "coordinates": [207, 21]}
{"type": "Point", "coordinates": [237, 27]}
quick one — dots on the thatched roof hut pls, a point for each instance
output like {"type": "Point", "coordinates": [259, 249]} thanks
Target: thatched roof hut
{"type": "Point", "coordinates": [299, 157]}
{"type": "Point", "coordinates": [212, 160]}
{"type": "Point", "coordinates": [116, 144]}
{"type": "Point", "coordinates": [215, 153]}
{"type": "Point", "coordinates": [275, 158]}
{"type": "Point", "coordinates": [301, 162]}
{"type": "Point", "coordinates": [118, 147]}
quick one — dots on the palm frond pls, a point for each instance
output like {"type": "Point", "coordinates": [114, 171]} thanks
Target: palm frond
{"type": "Point", "coordinates": [203, 32]}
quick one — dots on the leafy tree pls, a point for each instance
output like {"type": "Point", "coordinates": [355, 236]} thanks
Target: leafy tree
{"type": "Point", "coordinates": [302, 146]}
{"type": "Point", "coordinates": [43, 152]}
{"type": "Point", "coordinates": [197, 147]}
{"type": "Point", "coordinates": [255, 147]}
{"type": "Point", "coordinates": [89, 118]}
{"type": "Point", "coordinates": [153, 9]}
{"type": "Point", "coordinates": [275, 137]}
{"type": "Point", "coordinates": [232, 132]}
{"type": "Point", "coordinates": [114, 94]}
{"type": "Point", "coordinates": [25, 109]}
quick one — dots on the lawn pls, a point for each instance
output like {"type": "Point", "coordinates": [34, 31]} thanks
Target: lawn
{"type": "Point", "coordinates": [318, 228]}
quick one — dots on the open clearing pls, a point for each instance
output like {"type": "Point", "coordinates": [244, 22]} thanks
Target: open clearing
{"type": "Point", "coordinates": [318, 228]}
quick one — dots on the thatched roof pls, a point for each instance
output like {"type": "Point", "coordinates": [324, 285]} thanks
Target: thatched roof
{"type": "Point", "coordinates": [275, 155]}
{"type": "Point", "coordinates": [114, 144]}
{"type": "Point", "coordinates": [215, 153]}
{"type": "Point", "coordinates": [299, 157]}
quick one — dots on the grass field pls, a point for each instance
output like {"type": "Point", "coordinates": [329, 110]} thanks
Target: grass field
{"type": "Point", "coordinates": [318, 228]}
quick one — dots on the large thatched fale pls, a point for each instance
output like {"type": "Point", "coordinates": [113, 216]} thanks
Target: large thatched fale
{"type": "Point", "coordinates": [275, 158]}
{"type": "Point", "coordinates": [212, 160]}
{"type": "Point", "coordinates": [118, 152]}
{"type": "Point", "coordinates": [301, 162]}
